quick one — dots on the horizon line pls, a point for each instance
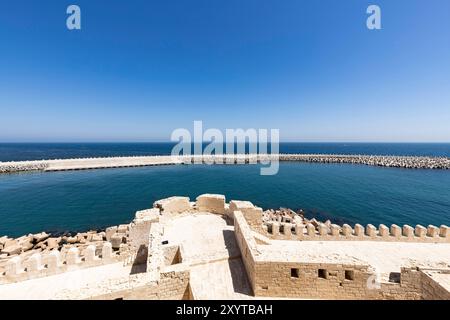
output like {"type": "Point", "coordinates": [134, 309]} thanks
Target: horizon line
{"type": "Point", "coordinates": [174, 142]}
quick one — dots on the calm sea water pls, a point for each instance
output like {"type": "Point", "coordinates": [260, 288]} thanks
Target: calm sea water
{"type": "Point", "coordinates": [80, 200]}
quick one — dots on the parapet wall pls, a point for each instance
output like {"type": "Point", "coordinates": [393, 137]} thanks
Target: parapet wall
{"type": "Point", "coordinates": [322, 232]}
{"type": "Point", "coordinates": [39, 265]}
{"type": "Point", "coordinates": [273, 274]}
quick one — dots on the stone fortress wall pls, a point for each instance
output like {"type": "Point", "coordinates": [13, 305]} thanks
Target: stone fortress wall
{"type": "Point", "coordinates": [272, 276]}
{"type": "Point", "coordinates": [159, 271]}
{"type": "Point", "coordinates": [408, 162]}
{"type": "Point", "coordinates": [284, 228]}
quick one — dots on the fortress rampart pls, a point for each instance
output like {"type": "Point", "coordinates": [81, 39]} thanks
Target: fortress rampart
{"type": "Point", "coordinates": [407, 162]}
{"type": "Point", "coordinates": [51, 263]}
{"type": "Point", "coordinates": [282, 255]}
{"type": "Point", "coordinates": [278, 274]}
{"type": "Point", "coordinates": [322, 232]}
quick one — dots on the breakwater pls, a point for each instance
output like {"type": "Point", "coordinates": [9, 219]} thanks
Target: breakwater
{"type": "Point", "coordinates": [407, 162]}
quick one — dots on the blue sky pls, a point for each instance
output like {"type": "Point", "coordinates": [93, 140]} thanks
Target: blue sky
{"type": "Point", "coordinates": [140, 69]}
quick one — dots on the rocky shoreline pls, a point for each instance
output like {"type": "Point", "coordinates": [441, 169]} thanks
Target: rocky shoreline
{"type": "Point", "coordinates": [406, 162]}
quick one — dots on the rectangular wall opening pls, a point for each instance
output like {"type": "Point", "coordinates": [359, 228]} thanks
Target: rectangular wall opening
{"type": "Point", "coordinates": [295, 273]}
{"type": "Point", "coordinates": [349, 275]}
{"type": "Point", "coordinates": [322, 273]}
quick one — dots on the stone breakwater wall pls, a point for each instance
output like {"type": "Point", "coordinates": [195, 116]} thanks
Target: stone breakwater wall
{"type": "Point", "coordinates": [407, 162]}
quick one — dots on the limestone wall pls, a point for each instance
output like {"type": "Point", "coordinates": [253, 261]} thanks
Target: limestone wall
{"type": "Point", "coordinates": [247, 246]}
{"type": "Point", "coordinates": [43, 265]}
{"type": "Point", "coordinates": [139, 233]}
{"type": "Point", "coordinates": [173, 204]}
{"type": "Point", "coordinates": [214, 203]}
{"type": "Point", "coordinates": [291, 231]}
{"type": "Point", "coordinates": [272, 276]}
{"type": "Point", "coordinates": [251, 213]}
{"type": "Point", "coordinates": [431, 288]}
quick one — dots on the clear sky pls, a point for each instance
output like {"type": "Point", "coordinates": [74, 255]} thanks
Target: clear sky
{"type": "Point", "coordinates": [137, 70]}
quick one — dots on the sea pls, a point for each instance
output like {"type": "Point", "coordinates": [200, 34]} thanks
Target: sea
{"type": "Point", "coordinates": [74, 201]}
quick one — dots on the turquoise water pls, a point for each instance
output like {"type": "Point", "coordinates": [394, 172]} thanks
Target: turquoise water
{"type": "Point", "coordinates": [79, 200]}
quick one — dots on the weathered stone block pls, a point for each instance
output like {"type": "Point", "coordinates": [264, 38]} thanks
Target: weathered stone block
{"type": "Point", "coordinates": [287, 229]}
{"type": "Point", "coordinates": [420, 231]}
{"type": "Point", "coordinates": [53, 243]}
{"type": "Point", "coordinates": [110, 231]}
{"type": "Point", "coordinates": [14, 266]}
{"type": "Point", "coordinates": [371, 231]}
{"type": "Point", "coordinates": [347, 230]}
{"type": "Point", "coordinates": [444, 231]}
{"type": "Point", "coordinates": [396, 231]}
{"type": "Point", "coordinates": [359, 230]}
{"type": "Point", "coordinates": [214, 203]}
{"type": "Point", "coordinates": [299, 230]}
{"type": "Point", "coordinates": [53, 260]}
{"type": "Point", "coordinates": [116, 240]}
{"type": "Point", "coordinates": [11, 250]}
{"type": "Point", "coordinates": [275, 228]}
{"type": "Point", "coordinates": [335, 230]}
{"type": "Point", "coordinates": [432, 231]}
{"type": "Point", "coordinates": [173, 205]}
{"type": "Point", "coordinates": [122, 228]}
{"type": "Point", "coordinates": [72, 257]}
{"type": "Point", "coordinates": [323, 229]}
{"type": "Point", "coordinates": [107, 251]}
{"type": "Point", "coordinates": [152, 214]}
{"type": "Point", "coordinates": [311, 230]}
{"type": "Point", "coordinates": [38, 237]}
{"type": "Point", "coordinates": [383, 231]}
{"type": "Point", "coordinates": [408, 231]}
{"type": "Point", "coordinates": [35, 263]}
{"type": "Point", "coordinates": [89, 254]}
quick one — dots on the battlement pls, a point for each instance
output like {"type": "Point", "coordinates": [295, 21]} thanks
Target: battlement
{"type": "Point", "coordinates": [43, 265]}
{"type": "Point", "coordinates": [323, 232]}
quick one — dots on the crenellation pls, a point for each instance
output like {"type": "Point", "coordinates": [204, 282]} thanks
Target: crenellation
{"type": "Point", "coordinates": [323, 229]}
{"type": "Point", "coordinates": [371, 231]}
{"type": "Point", "coordinates": [73, 257]}
{"type": "Point", "coordinates": [335, 230]}
{"type": "Point", "coordinates": [420, 231]}
{"type": "Point", "coordinates": [299, 230]}
{"type": "Point", "coordinates": [408, 231]}
{"type": "Point", "coordinates": [14, 267]}
{"type": "Point", "coordinates": [383, 231]}
{"type": "Point", "coordinates": [444, 232]}
{"type": "Point", "coordinates": [347, 231]}
{"type": "Point", "coordinates": [432, 231]}
{"type": "Point", "coordinates": [359, 231]}
{"type": "Point", "coordinates": [396, 231]}
{"type": "Point", "coordinates": [311, 230]}
{"type": "Point", "coordinates": [35, 263]}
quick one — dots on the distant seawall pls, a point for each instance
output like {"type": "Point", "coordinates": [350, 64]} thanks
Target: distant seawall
{"type": "Point", "coordinates": [408, 162]}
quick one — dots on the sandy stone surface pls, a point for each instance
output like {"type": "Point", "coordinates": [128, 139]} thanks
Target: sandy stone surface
{"type": "Point", "coordinates": [49, 287]}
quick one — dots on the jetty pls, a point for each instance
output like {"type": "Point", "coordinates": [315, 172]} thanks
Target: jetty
{"type": "Point", "coordinates": [407, 162]}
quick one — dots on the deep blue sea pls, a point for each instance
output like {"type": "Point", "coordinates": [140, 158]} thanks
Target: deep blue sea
{"type": "Point", "coordinates": [80, 200]}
